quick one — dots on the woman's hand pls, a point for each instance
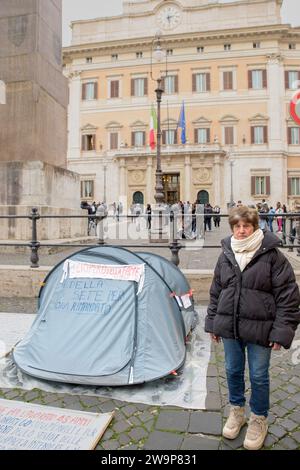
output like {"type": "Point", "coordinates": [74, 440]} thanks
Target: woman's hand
{"type": "Point", "coordinates": [275, 346]}
{"type": "Point", "coordinates": [214, 338]}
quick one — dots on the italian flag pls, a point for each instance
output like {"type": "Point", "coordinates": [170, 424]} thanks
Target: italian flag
{"type": "Point", "coordinates": [153, 128]}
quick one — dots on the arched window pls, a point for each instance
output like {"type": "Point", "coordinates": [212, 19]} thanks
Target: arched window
{"type": "Point", "coordinates": [138, 197]}
{"type": "Point", "coordinates": [203, 197]}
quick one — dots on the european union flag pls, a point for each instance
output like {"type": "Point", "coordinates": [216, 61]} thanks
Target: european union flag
{"type": "Point", "coordinates": [181, 124]}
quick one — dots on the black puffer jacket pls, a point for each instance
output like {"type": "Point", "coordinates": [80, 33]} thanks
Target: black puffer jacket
{"type": "Point", "coordinates": [259, 305]}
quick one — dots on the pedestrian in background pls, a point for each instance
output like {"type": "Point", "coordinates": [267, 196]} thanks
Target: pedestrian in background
{"type": "Point", "coordinates": [254, 306]}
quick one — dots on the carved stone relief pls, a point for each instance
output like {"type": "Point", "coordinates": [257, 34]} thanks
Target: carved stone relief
{"type": "Point", "coordinates": [17, 29]}
{"type": "Point", "coordinates": [202, 176]}
{"type": "Point", "coordinates": [136, 177]}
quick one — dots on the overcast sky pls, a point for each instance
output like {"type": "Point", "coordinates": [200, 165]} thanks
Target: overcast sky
{"type": "Point", "coordinates": [85, 9]}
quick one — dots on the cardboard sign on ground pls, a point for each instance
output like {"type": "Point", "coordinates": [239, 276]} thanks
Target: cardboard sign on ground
{"type": "Point", "coordinates": [24, 426]}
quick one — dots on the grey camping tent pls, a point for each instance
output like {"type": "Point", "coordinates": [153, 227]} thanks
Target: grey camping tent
{"type": "Point", "coordinates": [108, 316]}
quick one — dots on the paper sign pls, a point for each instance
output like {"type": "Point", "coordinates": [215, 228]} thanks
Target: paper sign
{"type": "Point", "coordinates": [25, 426]}
{"type": "Point", "coordinates": [186, 300]}
{"type": "Point", "coordinates": [127, 272]}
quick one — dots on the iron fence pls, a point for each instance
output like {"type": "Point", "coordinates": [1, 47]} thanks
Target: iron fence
{"type": "Point", "coordinates": [290, 235]}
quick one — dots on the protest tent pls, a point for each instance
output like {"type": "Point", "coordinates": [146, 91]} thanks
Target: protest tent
{"type": "Point", "coordinates": [108, 316]}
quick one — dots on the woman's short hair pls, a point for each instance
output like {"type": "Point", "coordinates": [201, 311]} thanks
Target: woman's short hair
{"type": "Point", "coordinates": [244, 213]}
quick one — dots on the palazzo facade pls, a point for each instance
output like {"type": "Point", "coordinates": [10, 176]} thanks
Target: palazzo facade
{"type": "Point", "coordinates": [235, 66]}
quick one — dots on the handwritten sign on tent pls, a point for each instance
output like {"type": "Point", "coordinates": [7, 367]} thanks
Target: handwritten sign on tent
{"type": "Point", "coordinates": [25, 426]}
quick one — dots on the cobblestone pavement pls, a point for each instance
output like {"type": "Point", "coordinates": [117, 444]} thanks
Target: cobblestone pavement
{"type": "Point", "coordinates": [139, 426]}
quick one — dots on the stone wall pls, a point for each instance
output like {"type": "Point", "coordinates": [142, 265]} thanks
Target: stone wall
{"type": "Point", "coordinates": [23, 281]}
{"type": "Point", "coordinates": [53, 190]}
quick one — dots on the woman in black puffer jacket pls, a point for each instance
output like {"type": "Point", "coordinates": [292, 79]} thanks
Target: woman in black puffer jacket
{"type": "Point", "coordinates": [254, 306]}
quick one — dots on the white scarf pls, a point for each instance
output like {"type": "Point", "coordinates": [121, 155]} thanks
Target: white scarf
{"type": "Point", "coordinates": [245, 249]}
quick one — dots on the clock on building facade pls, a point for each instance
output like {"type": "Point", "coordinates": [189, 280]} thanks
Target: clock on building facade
{"type": "Point", "coordinates": [168, 17]}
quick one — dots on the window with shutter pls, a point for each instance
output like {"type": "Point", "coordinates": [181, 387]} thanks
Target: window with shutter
{"type": "Point", "coordinates": [252, 185]}
{"type": "Point", "coordinates": [268, 185]}
{"type": "Point", "coordinates": [114, 89]}
{"type": "Point", "coordinates": [289, 186]}
{"type": "Point", "coordinates": [229, 135]}
{"type": "Point", "coordinates": [265, 131]}
{"type": "Point", "coordinates": [113, 140]}
{"type": "Point", "coordinates": [208, 82]}
{"type": "Point", "coordinates": [90, 91]}
{"type": "Point", "coordinates": [227, 80]}
{"type": "Point", "coordinates": [88, 142]}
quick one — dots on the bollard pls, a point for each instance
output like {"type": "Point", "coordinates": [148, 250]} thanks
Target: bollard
{"type": "Point", "coordinates": [100, 230]}
{"type": "Point", "coordinates": [298, 235]}
{"type": "Point", "coordinates": [174, 245]}
{"type": "Point", "coordinates": [291, 237]}
{"type": "Point", "coordinates": [34, 244]}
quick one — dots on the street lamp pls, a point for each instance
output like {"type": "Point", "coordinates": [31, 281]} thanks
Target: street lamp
{"type": "Point", "coordinates": [104, 182]}
{"type": "Point", "coordinates": [231, 163]}
{"type": "Point", "coordinates": [158, 54]}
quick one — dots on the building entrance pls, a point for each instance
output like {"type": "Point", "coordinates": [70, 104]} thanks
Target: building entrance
{"type": "Point", "coordinates": [171, 188]}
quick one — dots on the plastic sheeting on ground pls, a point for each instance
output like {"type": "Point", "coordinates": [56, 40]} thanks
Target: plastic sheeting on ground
{"type": "Point", "coordinates": [186, 390]}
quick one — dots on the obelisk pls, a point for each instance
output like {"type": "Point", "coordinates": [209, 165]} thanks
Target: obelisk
{"type": "Point", "coordinates": [33, 120]}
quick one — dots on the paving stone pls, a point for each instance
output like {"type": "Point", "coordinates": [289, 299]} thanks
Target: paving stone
{"type": "Point", "coordinates": [296, 381]}
{"type": "Point", "coordinates": [149, 425]}
{"type": "Point", "coordinates": [296, 398]}
{"type": "Point", "coordinates": [270, 440]}
{"type": "Point", "coordinates": [296, 436]}
{"type": "Point", "coordinates": [110, 445]}
{"type": "Point", "coordinates": [134, 421]}
{"type": "Point", "coordinates": [279, 411]}
{"type": "Point", "coordinates": [145, 416]}
{"type": "Point", "coordinates": [295, 416]}
{"type": "Point", "coordinates": [118, 403]}
{"type": "Point", "coordinates": [137, 434]}
{"type": "Point", "coordinates": [163, 441]}
{"type": "Point", "coordinates": [89, 401]}
{"type": "Point", "coordinates": [129, 410]}
{"type": "Point", "coordinates": [290, 389]}
{"type": "Point", "coordinates": [213, 402]}
{"type": "Point", "coordinates": [206, 423]}
{"type": "Point", "coordinates": [12, 394]}
{"type": "Point", "coordinates": [279, 395]}
{"type": "Point", "coordinates": [287, 424]}
{"type": "Point", "coordinates": [173, 420]}
{"type": "Point", "coordinates": [238, 442]}
{"type": "Point", "coordinates": [77, 406]}
{"type": "Point", "coordinates": [289, 443]}
{"type": "Point", "coordinates": [200, 443]}
{"type": "Point", "coordinates": [107, 435]}
{"type": "Point", "coordinates": [289, 404]}
{"type": "Point", "coordinates": [212, 371]}
{"type": "Point", "coordinates": [32, 395]}
{"type": "Point", "coordinates": [107, 406]}
{"type": "Point", "coordinates": [278, 431]}
{"type": "Point", "coordinates": [212, 385]}
{"type": "Point", "coordinates": [122, 426]}
{"type": "Point", "coordinates": [271, 419]}
{"type": "Point", "coordinates": [278, 447]}
{"type": "Point", "coordinates": [142, 406]}
{"type": "Point", "coordinates": [124, 439]}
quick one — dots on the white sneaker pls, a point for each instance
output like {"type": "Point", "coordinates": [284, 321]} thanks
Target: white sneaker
{"type": "Point", "coordinates": [235, 422]}
{"type": "Point", "coordinates": [256, 433]}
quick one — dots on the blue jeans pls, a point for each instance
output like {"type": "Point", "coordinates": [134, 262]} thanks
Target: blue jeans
{"type": "Point", "coordinates": [258, 361]}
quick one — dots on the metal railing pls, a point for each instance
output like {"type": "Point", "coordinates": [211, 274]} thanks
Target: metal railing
{"type": "Point", "coordinates": [291, 221]}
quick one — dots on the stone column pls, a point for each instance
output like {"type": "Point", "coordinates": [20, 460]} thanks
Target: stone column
{"type": "Point", "coordinates": [187, 178]}
{"type": "Point", "coordinates": [122, 182]}
{"type": "Point", "coordinates": [149, 188]}
{"type": "Point", "coordinates": [276, 107]}
{"type": "Point", "coordinates": [74, 115]}
{"type": "Point", "coordinates": [217, 180]}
